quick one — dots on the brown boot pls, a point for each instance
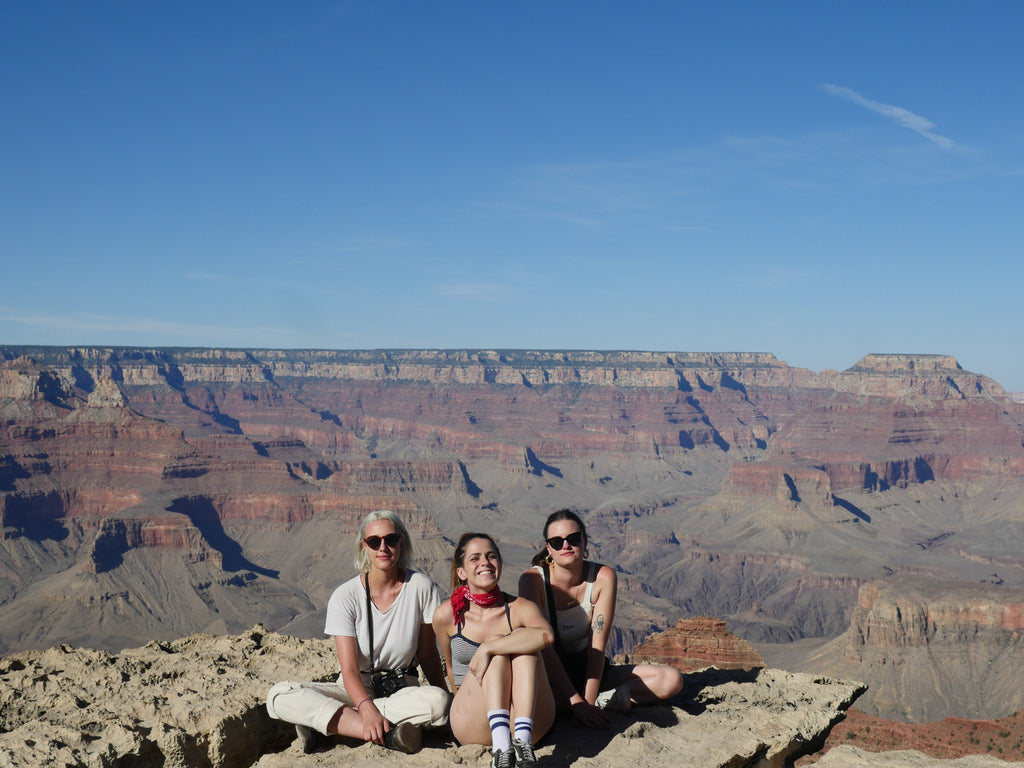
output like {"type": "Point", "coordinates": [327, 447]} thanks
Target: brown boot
{"type": "Point", "coordinates": [404, 737]}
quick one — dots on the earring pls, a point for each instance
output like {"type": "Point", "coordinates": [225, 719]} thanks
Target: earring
{"type": "Point", "coordinates": [586, 552]}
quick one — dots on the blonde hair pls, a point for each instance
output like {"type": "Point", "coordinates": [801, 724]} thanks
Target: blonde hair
{"type": "Point", "coordinates": [362, 561]}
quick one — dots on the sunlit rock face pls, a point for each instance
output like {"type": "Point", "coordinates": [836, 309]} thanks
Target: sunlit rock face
{"type": "Point", "coordinates": [696, 643]}
{"type": "Point", "coordinates": [931, 648]}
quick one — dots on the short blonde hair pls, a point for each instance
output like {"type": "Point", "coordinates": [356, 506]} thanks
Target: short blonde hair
{"type": "Point", "coordinates": [362, 560]}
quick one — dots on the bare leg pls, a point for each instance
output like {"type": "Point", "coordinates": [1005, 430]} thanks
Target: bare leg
{"type": "Point", "coordinates": [497, 683]}
{"type": "Point", "coordinates": [647, 683]}
{"type": "Point", "coordinates": [524, 683]}
{"type": "Point", "coordinates": [346, 722]}
{"type": "Point", "coordinates": [531, 693]}
{"type": "Point", "coordinates": [468, 716]}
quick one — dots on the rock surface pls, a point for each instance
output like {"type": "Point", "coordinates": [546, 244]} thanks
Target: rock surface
{"type": "Point", "coordinates": [949, 738]}
{"type": "Point", "coordinates": [852, 757]}
{"type": "Point", "coordinates": [199, 702]}
{"type": "Point", "coordinates": [693, 644]}
{"type": "Point", "coordinates": [930, 649]}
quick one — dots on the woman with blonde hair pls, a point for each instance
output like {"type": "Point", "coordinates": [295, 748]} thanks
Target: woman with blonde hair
{"type": "Point", "coordinates": [491, 643]}
{"type": "Point", "coordinates": [579, 597]}
{"type": "Point", "coordinates": [381, 624]}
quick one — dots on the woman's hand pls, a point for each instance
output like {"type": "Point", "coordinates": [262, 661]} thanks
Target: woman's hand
{"type": "Point", "coordinates": [479, 663]}
{"type": "Point", "coordinates": [374, 724]}
{"type": "Point", "coordinates": [587, 714]}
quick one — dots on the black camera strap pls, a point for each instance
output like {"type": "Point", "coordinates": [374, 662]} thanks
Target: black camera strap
{"type": "Point", "coordinates": [397, 673]}
{"type": "Point", "coordinates": [369, 619]}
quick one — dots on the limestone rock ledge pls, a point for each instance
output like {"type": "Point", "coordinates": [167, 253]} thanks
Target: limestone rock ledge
{"type": "Point", "coordinates": [851, 757]}
{"type": "Point", "coordinates": [198, 701]}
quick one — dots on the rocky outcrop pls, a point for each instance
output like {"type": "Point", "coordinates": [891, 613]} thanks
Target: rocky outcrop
{"type": "Point", "coordinates": [199, 701]}
{"type": "Point", "coordinates": [930, 648]}
{"type": "Point", "coordinates": [695, 644]}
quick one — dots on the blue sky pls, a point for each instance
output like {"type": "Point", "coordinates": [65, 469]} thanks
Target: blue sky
{"type": "Point", "coordinates": [816, 180]}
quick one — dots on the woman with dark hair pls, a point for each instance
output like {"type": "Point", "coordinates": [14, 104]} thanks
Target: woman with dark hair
{"type": "Point", "coordinates": [491, 643]}
{"type": "Point", "coordinates": [381, 624]}
{"type": "Point", "coordinates": [580, 596]}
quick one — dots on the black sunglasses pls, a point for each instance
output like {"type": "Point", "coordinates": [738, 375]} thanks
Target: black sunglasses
{"type": "Point", "coordinates": [392, 540]}
{"type": "Point", "coordinates": [574, 539]}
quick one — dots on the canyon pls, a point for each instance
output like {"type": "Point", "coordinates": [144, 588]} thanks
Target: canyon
{"type": "Point", "coordinates": [148, 494]}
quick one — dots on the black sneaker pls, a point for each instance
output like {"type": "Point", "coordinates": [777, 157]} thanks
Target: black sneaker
{"type": "Point", "coordinates": [404, 737]}
{"type": "Point", "coordinates": [506, 758]}
{"type": "Point", "coordinates": [524, 754]}
{"type": "Point", "coordinates": [309, 738]}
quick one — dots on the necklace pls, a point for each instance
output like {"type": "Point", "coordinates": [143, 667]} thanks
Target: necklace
{"type": "Point", "coordinates": [574, 596]}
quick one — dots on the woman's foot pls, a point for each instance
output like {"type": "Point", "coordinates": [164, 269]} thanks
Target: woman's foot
{"type": "Point", "coordinates": [309, 739]}
{"type": "Point", "coordinates": [505, 758]}
{"type": "Point", "coordinates": [524, 754]}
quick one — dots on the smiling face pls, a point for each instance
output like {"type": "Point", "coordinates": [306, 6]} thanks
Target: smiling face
{"type": "Point", "coordinates": [565, 532]}
{"type": "Point", "coordinates": [481, 565]}
{"type": "Point", "coordinates": [385, 557]}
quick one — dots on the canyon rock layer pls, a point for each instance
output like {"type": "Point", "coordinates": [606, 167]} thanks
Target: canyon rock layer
{"type": "Point", "coordinates": [150, 494]}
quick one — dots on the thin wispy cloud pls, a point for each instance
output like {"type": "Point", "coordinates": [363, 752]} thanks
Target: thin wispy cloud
{"type": "Point", "coordinates": [904, 117]}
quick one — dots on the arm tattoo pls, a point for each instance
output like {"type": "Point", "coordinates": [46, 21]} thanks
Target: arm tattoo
{"type": "Point", "coordinates": [599, 623]}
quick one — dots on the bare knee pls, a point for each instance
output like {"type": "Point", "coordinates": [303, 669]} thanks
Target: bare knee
{"type": "Point", "coordinates": [664, 682]}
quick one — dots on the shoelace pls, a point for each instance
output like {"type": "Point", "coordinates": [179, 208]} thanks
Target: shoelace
{"type": "Point", "coordinates": [504, 759]}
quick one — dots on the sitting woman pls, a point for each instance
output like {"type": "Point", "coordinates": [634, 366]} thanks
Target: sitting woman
{"type": "Point", "coordinates": [381, 623]}
{"type": "Point", "coordinates": [491, 643]}
{"type": "Point", "coordinates": [579, 596]}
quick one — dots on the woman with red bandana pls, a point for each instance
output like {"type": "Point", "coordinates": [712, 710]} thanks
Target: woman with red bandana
{"type": "Point", "coordinates": [580, 596]}
{"type": "Point", "coordinates": [491, 643]}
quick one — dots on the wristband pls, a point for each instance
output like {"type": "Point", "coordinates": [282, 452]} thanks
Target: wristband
{"type": "Point", "coordinates": [368, 698]}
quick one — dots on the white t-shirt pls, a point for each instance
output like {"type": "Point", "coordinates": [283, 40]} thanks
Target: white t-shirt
{"type": "Point", "coordinates": [396, 631]}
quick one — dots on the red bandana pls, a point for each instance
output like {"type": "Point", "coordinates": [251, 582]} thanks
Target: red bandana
{"type": "Point", "coordinates": [462, 597]}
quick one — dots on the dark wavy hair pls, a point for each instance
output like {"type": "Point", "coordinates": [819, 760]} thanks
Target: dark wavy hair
{"type": "Point", "coordinates": [459, 556]}
{"type": "Point", "coordinates": [563, 514]}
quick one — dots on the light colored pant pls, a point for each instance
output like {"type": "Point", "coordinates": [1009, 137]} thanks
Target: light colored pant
{"type": "Point", "coordinates": [314, 704]}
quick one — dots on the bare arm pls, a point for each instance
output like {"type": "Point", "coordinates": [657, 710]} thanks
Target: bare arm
{"type": "Point", "coordinates": [427, 656]}
{"type": "Point", "coordinates": [348, 663]}
{"type": "Point", "coordinates": [601, 618]}
{"type": "Point", "coordinates": [374, 724]}
{"type": "Point", "coordinates": [442, 631]}
{"type": "Point", "coordinates": [530, 634]}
